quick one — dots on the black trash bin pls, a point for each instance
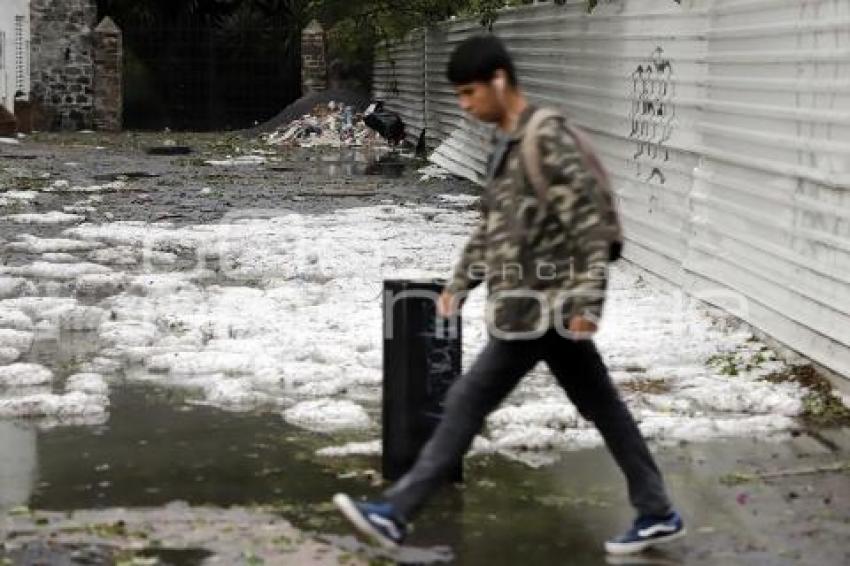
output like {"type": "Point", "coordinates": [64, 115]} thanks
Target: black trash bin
{"type": "Point", "coordinates": [389, 125]}
{"type": "Point", "coordinates": [422, 358]}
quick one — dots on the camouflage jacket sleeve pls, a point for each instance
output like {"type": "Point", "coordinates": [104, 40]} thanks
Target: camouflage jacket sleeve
{"type": "Point", "coordinates": [467, 274]}
{"type": "Point", "coordinates": [570, 199]}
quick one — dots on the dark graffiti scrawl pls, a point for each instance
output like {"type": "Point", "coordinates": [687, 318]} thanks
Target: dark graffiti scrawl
{"type": "Point", "coordinates": [653, 115]}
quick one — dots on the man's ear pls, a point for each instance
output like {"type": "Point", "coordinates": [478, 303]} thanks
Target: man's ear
{"type": "Point", "coordinates": [500, 81]}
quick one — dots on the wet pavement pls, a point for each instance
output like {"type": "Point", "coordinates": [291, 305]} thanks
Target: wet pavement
{"type": "Point", "coordinates": [157, 449]}
{"type": "Point", "coordinates": [746, 501]}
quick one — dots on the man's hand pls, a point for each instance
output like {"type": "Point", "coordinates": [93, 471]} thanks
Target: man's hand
{"type": "Point", "coordinates": [582, 328]}
{"type": "Point", "coordinates": [446, 305]}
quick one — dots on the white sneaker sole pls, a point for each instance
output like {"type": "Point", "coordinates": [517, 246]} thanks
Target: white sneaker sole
{"type": "Point", "coordinates": [625, 548]}
{"type": "Point", "coordinates": [350, 511]}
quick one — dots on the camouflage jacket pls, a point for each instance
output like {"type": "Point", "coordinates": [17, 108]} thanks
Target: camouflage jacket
{"type": "Point", "coordinates": [543, 261]}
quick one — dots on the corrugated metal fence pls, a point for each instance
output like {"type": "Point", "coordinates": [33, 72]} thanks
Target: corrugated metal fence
{"type": "Point", "coordinates": [399, 79]}
{"type": "Point", "coordinates": [725, 123]}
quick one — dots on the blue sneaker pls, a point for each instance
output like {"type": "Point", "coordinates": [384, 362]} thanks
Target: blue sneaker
{"type": "Point", "coordinates": [646, 532]}
{"type": "Point", "coordinates": [375, 520]}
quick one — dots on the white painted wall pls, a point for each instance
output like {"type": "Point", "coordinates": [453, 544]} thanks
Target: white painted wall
{"type": "Point", "coordinates": [15, 47]}
{"type": "Point", "coordinates": [726, 126]}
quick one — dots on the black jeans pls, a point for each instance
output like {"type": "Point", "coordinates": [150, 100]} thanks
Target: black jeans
{"type": "Point", "coordinates": [579, 369]}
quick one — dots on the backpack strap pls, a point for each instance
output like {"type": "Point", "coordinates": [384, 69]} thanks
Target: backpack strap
{"type": "Point", "coordinates": [533, 165]}
{"type": "Point", "coordinates": [530, 150]}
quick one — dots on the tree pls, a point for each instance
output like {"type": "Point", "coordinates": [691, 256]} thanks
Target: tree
{"type": "Point", "coordinates": [391, 19]}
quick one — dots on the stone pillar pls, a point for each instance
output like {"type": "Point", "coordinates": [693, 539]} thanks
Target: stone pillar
{"type": "Point", "coordinates": [314, 68]}
{"type": "Point", "coordinates": [108, 76]}
{"type": "Point", "coordinates": [62, 64]}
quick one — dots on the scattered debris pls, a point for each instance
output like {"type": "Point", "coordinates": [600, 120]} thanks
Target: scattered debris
{"type": "Point", "coordinates": [169, 150]}
{"type": "Point", "coordinates": [469, 201]}
{"type": "Point", "coordinates": [334, 125]}
{"type": "Point", "coordinates": [177, 533]}
{"type": "Point", "coordinates": [738, 478]}
{"type": "Point", "coordinates": [236, 161]}
{"type": "Point", "coordinates": [647, 386]}
{"type": "Point", "coordinates": [434, 172]}
{"type": "Point", "coordinates": [63, 186]}
{"type": "Point", "coordinates": [123, 176]}
{"type": "Point", "coordinates": [307, 103]}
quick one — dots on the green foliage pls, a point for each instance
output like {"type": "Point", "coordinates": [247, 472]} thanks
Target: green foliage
{"type": "Point", "coordinates": [821, 407]}
{"type": "Point", "coordinates": [355, 28]}
{"type": "Point", "coordinates": [389, 19]}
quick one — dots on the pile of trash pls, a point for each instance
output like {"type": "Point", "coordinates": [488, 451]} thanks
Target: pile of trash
{"type": "Point", "coordinates": [339, 125]}
{"type": "Point", "coordinates": [334, 125]}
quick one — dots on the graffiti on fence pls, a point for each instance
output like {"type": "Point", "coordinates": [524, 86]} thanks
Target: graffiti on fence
{"type": "Point", "coordinates": [653, 115]}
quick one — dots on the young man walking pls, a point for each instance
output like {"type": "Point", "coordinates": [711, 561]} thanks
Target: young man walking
{"type": "Point", "coordinates": [542, 246]}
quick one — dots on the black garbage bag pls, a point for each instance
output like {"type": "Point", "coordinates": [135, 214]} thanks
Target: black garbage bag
{"type": "Point", "coordinates": [388, 124]}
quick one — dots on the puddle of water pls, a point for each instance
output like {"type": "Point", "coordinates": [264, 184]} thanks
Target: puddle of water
{"type": "Point", "coordinates": [354, 162]}
{"type": "Point", "coordinates": [389, 166]}
{"type": "Point", "coordinates": [155, 450]}
{"type": "Point", "coordinates": [151, 453]}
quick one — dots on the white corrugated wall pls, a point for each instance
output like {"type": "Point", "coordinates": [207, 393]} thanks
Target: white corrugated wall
{"type": "Point", "coordinates": [770, 206]}
{"type": "Point", "coordinates": [399, 79]}
{"type": "Point", "coordinates": [461, 142]}
{"type": "Point", "coordinates": [726, 125]}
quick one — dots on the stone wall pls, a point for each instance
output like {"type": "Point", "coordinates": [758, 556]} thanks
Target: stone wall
{"type": "Point", "coordinates": [62, 64]}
